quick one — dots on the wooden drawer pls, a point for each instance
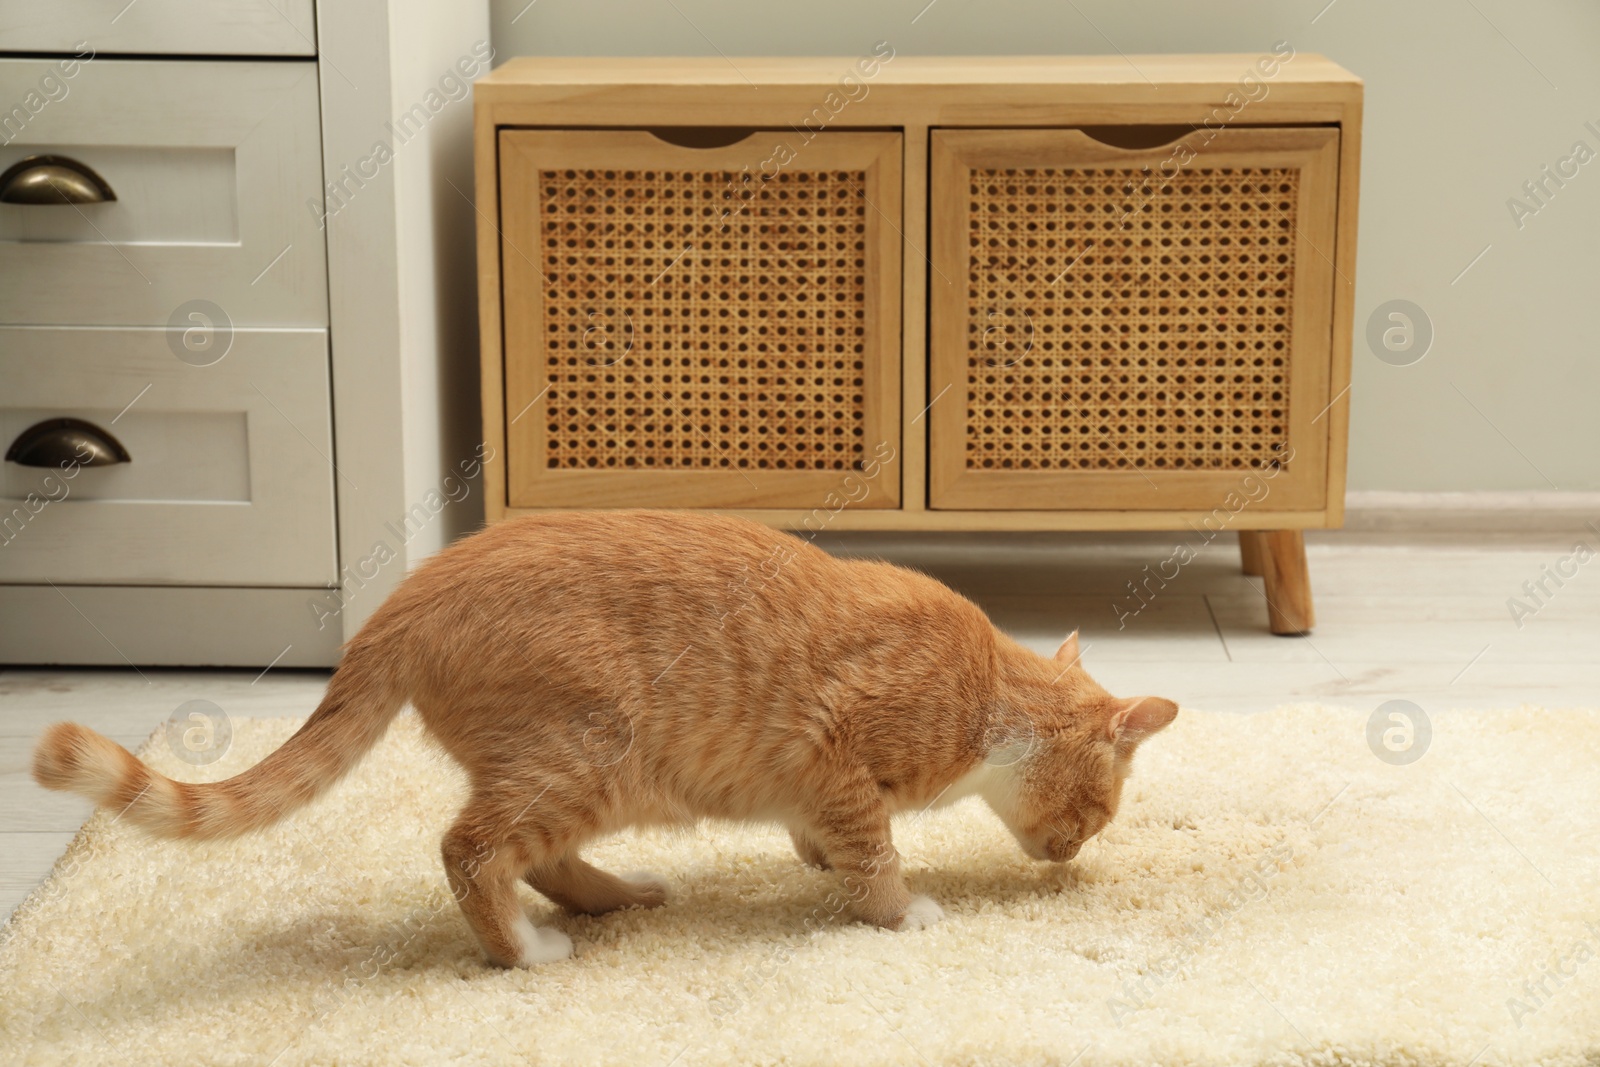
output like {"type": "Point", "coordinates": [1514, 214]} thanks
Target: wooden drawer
{"type": "Point", "coordinates": [228, 480]}
{"type": "Point", "coordinates": [1131, 328]}
{"type": "Point", "coordinates": [699, 326]}
{"type": "Point", "coordinates": [216, 172]}
{"type": "Point", "coordinates": [160, 27]}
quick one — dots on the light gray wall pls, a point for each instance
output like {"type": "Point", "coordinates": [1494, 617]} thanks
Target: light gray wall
{"type": "Point", "coordinates": [1466, 101]}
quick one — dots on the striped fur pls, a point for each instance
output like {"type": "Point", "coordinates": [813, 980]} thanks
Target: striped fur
{"type": "Point", "coordinates": [353, 715]}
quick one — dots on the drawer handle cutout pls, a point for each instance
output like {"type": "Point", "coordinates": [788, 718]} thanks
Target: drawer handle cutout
{"type": "Point", "coordinates": [63, 442]}
{"type": "Point", "coordinates": [702, 136]}
{"type": "Point", "coordinates": [1136, 138]}
{"type": "Point", "coordinates": [53, 180]}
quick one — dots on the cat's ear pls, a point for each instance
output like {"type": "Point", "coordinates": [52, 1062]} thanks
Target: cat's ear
{"type": "Point", "coordinates": [1138, 717]}
{"type": "Point", "coordinates": [1067, 654]}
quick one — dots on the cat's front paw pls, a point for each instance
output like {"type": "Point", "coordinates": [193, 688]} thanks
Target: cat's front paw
{"type": "Point", "coordinates": [540, 944]}
{"type": "Point", "coordinates": [921, 912]}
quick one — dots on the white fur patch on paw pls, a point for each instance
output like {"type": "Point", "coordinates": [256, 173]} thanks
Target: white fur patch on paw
{"type": "Point", "coordinates": [921, 912]}
{"type": "Point", "coordinates": [652, 887]}
{"type": "Point", "coordinates": [541, 944]}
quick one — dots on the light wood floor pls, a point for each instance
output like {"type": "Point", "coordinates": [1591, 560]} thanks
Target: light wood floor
{"type": "Point", "coordinates": [1424, 618]}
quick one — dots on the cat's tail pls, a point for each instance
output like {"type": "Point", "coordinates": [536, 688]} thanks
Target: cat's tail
{"type": "Point", "coordinates": [363, 696]}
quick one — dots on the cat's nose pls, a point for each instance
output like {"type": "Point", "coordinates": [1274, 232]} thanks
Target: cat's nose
{"type": "Point", "coordinates": [1061, 850]}
{"type": "Point", "coordinates": [1036, 850]}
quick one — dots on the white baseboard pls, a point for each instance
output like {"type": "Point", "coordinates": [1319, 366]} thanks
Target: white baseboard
{"type": "Point", "coordinates": [1519, 512]}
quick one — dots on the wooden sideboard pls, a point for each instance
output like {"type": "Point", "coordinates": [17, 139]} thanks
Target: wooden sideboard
{"type": "Point", "coordinates": [896, 292]}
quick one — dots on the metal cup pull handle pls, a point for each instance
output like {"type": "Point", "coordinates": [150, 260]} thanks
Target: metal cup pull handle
{"type": "Point", "coordinates": [53, 180]}
{"type": "Point", "coordinates": [63, 442]}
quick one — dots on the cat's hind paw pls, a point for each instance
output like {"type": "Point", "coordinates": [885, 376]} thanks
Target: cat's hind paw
{"type": "Point", "coordinates": [921, 912]}
{"type": "Point", "coordinates": [809, 851]}
{"type": "Point", "coordinates": [650, 890]}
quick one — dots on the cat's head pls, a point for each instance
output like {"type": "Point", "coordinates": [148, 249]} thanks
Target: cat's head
{"type": "Point", "coordinates": [1061, 782]}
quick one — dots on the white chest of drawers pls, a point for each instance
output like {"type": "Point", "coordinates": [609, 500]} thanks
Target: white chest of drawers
{"type": "Point", "coordinates": [228, 324]}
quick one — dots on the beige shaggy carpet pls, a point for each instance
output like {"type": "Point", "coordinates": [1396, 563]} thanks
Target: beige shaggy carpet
{"type": "Point", "coordinates": [1273, 893]}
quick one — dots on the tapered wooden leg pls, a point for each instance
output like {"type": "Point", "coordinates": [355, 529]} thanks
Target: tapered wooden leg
{"type": "Point", "coordinates": [1288, 582]}
{"type": "Point", "coordinates": [1250, 552]}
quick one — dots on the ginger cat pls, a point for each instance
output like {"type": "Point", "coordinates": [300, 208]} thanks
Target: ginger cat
{"type": "Point", "coordinates": [595, 671]}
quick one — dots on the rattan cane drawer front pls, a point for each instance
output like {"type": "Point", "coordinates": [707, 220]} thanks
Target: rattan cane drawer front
{"type": "Point", "coordinates": [698, 327]}
{"type": "Point", "coordinates": [1131, 328]}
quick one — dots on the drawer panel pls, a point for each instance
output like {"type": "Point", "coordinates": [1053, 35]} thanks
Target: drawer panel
{"type": "Point", "coordinates": [1131, 327]}
{"type": "Point", "coordinates": [708, 326]}
{"type": "Point", "coordinates": [215, 169]}
{"type": "Point", "coordinates": [160, 27]}
{"type": "Point", "coordinates": [228, 479]}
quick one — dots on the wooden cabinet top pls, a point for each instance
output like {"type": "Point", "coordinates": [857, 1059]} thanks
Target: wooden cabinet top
{"type": "Point", "coordinates": [1087, 75]}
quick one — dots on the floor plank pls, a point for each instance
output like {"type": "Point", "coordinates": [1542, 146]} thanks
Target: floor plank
{"type": "Point", "coordinates": [25, 858]}
{"type": "Point", "coordinates": [123, 702]}
{"type": "Point", "coordinates": [1416, 630]}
